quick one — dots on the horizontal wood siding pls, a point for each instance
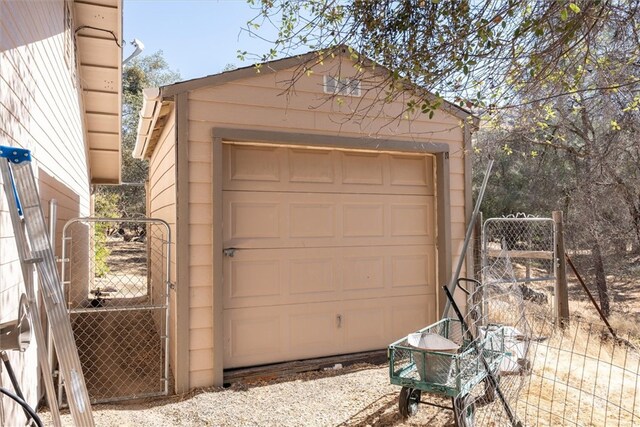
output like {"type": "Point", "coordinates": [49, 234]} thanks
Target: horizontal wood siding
{"type": "Point", "coordinates": [161, 201]}
{"type": "Point", "coordinates": [261, 103]}
{"type": "Point", "coordinates": [200, 263]}
{"type": "Point", "coordinates": [40, 110]}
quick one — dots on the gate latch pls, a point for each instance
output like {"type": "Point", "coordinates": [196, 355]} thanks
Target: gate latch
{"type": "Point", "coordinates": [230, 252]}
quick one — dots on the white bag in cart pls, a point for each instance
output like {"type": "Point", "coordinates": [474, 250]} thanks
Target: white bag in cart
{"type": "Point", "coordinates": [433, 368]}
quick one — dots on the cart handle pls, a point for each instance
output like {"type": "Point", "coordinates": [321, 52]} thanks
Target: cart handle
{"type": "Point", "coordinates": [464, 279]}
{"type": "Point", "coordinates": [490, 375]}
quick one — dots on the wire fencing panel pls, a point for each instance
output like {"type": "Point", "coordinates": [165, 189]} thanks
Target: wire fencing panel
{"type": "Point", "coordinates": [116, 280]}
{"type": "Point", "coordinates": [530, 245]}
{"type": "Point", "coordinates": [571, 375]}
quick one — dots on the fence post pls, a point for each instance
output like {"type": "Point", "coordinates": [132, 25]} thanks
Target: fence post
{"type": "Point", "coordinates": [477, 248]}
{"type": "Point", "coordinates": [562, 291]}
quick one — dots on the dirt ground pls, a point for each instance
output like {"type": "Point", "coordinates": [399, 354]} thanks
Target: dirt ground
{"type": "Point", "coordinates": [119, 340]}
{"type": "Point", "coordinates": [354, 396]}
{"type": "Point", "coordinates": [127, 275]}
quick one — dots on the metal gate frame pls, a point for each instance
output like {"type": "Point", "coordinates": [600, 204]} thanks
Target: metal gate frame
{"type": "Point", "coordinates": [164, 337]}
{"type": "Point", "coordinates": [522, 218]}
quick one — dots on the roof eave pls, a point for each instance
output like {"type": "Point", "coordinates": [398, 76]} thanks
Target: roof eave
{"type": "Point", "coordinates": [156, 107]}
{"type": "Point", "coordinates": [98, 34]}
{"type": "Point", "coordinates": [151, 99]}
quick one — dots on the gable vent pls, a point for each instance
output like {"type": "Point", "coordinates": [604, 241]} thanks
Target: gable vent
{"type": "Point", "coordinates": [337, 86]}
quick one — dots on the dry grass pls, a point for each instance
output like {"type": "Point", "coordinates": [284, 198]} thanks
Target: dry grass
{"type": "Point", "coordinates": [580, 377]}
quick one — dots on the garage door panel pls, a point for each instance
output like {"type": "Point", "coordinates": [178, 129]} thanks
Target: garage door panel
{"type": "Point", "coordinates": [412, 220]}
{"type": "Point", "coordinates": [363, 273]}
{"type": "Point", "coordinates": [313, 330]}
{"type": "Point", "coordinates": [270, 334]}
{"type": "Point", "coordinates": [255, 279]}
{"type": "Point", "coordinates": [303, 276]}
{"type": "Point", "coordinates": [312, 220]}
{"type": "Point", "coordinates": [362, 168]}
{"type": "Point", "coordinates": [334, 251]}
{"type": "Point", "coordinates": [259, 277]}
{"type": "Point", "coordinates": [375, 323]}
{"type": "Point", "coordinates": [411, 171]}
{"type": "Point", "coordinates": [246, 163]}
{"type": "Point", "coordinates": [311, 166]}
{"type": "Point", "coordinates": [253, 220]}
{"type": "Point", "coordinates": [251, 168]}
{"type": "Point", "coordinates": [251, 336]}
{"type": "Point", "coordinates": [287, 220]}
{"type": "Point", "coordinates": [312, 276]}
{"type": "Point", "coordinates": [363, 220]}
{"type": "Point", "coordinates": [413, 270]}
{"type": "Point", "coordinates": [364, 325]}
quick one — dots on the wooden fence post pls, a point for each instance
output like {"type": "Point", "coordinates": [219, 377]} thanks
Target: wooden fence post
{"type": "Point", "coordinates": [562, 291]}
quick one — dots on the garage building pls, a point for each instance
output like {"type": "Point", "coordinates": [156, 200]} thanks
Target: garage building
{"type": "Point", "coordinates": [309, 220]}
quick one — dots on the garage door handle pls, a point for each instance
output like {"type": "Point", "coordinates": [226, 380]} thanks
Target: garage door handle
{"type": "Point", "coordinates": [339, 320]}
{"type": "Point", "coordinates": [230, 252]}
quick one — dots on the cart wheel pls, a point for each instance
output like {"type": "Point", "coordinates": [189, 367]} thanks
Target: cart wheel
{"type": "Point", "coordinates": [464, 409]}
{"type": "Point", "coordinates": [408, 401]}
{"type": "Point", "coordinates": [489, 389]}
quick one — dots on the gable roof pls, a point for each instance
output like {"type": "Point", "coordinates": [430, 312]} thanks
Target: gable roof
{"type": "Point", "coordinates": [156, 99]}
{"type": "Point", "coordinates": [292, 61]}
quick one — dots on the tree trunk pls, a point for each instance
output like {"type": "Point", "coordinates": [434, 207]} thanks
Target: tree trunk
{"type": "Point", "coordinates": [601, 279]}
{"type": "Point", "coordinates": [634, 210]}
{"type": "Point", "coordinates": [635, 217]}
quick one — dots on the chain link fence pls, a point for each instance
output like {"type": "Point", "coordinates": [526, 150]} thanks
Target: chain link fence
{"type": "Point", "coordinates": [115, 275]}
{"type": "Point", "coordinates": [530, 244]}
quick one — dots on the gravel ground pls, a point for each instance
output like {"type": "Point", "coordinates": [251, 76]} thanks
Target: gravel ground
{"type": "Point", "coordinates": [359, 395]}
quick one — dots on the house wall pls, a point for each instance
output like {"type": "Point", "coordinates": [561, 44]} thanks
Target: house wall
{"type": "Point", "coordinates": [161, 201]}
{"type": "Point", "coordinates": [40, 110]}
{"type": "Point", "coordinates": [259, 103]}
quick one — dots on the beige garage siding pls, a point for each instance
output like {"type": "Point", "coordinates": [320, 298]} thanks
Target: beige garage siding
{"type": "Point", "coordinates": [258, 103]}
{"type": "Point", "coordinates": [333, 251]}
{"type": "Point", "coordinates": [161, 201]}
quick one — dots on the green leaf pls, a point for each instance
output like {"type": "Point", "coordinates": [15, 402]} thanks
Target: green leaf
{"type": "Point", "coordinates": [574, 7]}
{"type": "Point", "coordinates": [564, 15]}
{"type": "Point", "coordinates": [615, 125]}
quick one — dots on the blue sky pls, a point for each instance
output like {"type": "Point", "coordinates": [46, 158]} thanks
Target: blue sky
{"type": "Point", "coordinates": [197, 37]}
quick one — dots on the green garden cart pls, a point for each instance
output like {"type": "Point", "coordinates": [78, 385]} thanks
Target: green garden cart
{"type": "Point", "coordinates": [440, 360]}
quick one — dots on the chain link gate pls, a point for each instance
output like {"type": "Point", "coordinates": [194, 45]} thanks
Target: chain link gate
{"type": "Point", "coordinates": [116, 277]}
{"type": "Point", "coordinates": [528, 241]}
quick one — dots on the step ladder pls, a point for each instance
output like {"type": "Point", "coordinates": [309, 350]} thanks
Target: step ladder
{"type": "Point", "coordinates": [35, 250]}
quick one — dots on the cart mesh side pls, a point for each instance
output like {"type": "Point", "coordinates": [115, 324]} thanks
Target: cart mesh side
{"type": "Point", "coordinates": [444, 373]}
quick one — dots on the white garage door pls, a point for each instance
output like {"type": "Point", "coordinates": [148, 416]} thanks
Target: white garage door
{"type": "Point", "coordinates": [335, 251]}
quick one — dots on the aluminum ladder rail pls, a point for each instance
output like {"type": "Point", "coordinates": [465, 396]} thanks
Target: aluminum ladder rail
{"type": "Point", "coordinates": [34, 248]}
